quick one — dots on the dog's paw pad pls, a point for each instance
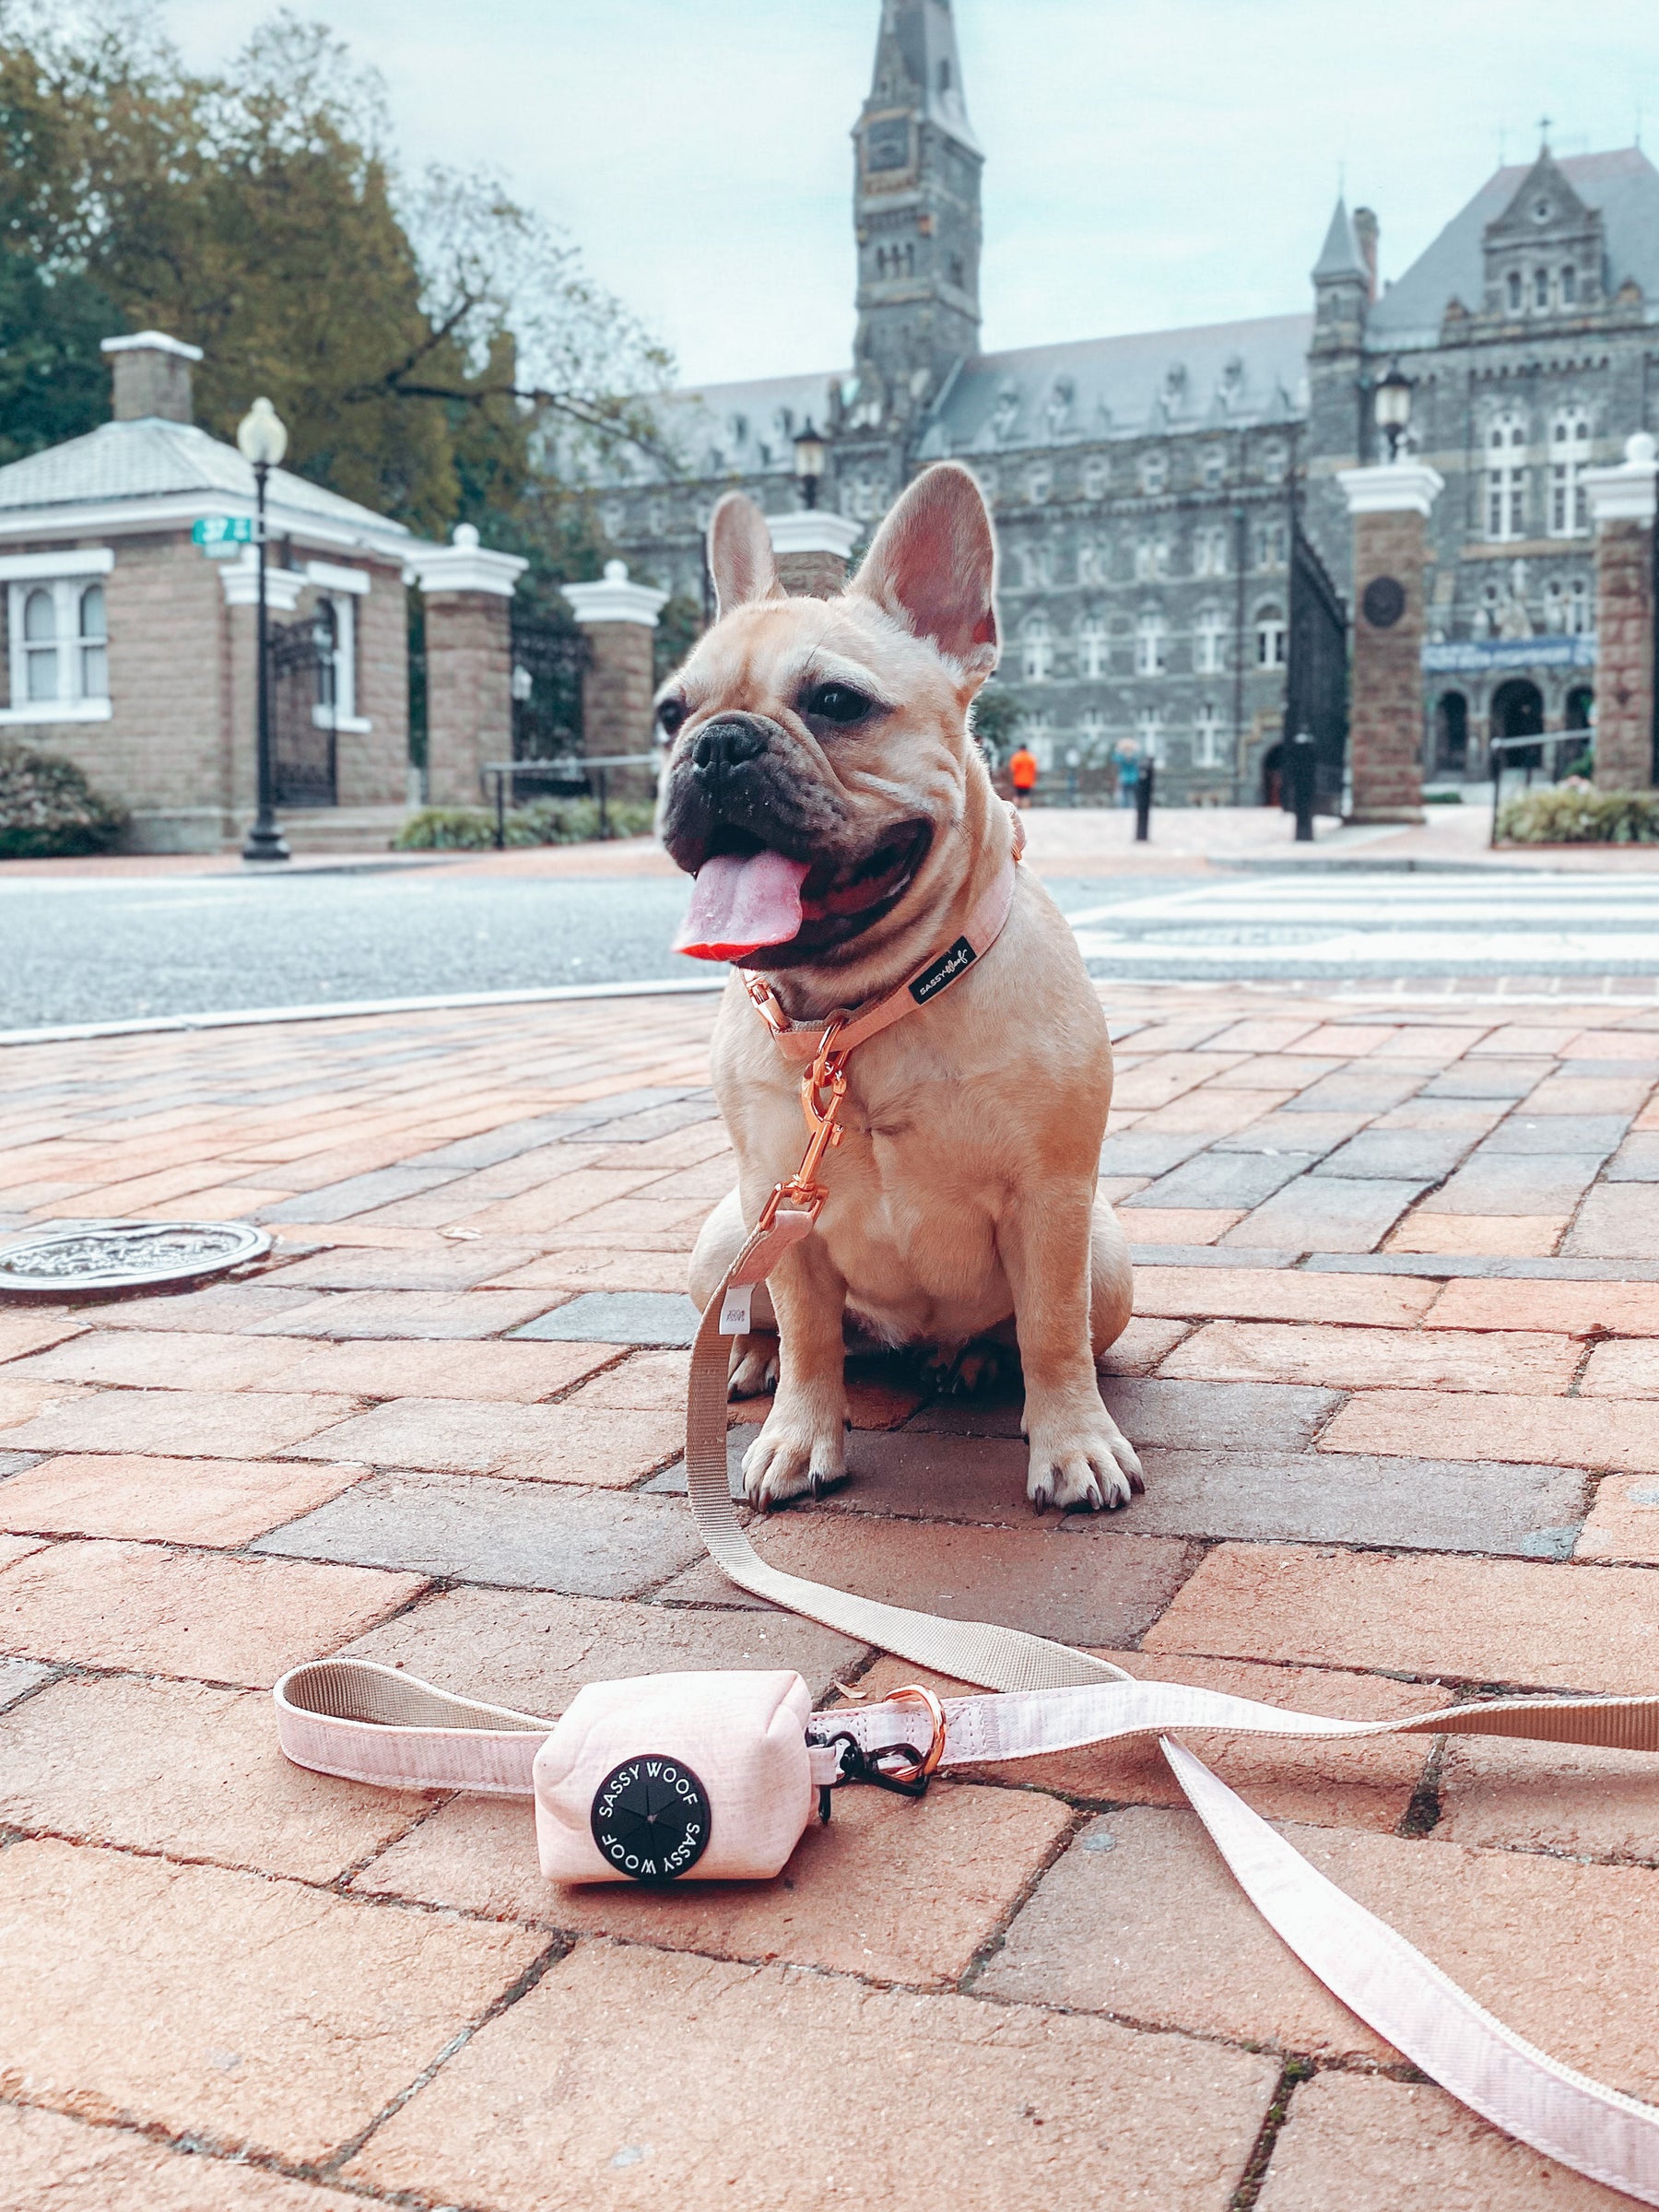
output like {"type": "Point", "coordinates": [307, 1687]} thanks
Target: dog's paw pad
{"type": "Point", "coordinates": [753, 1369]}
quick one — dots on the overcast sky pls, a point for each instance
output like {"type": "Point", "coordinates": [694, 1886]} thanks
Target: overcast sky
{"type": "Point", "coordinates": [1148, 165]}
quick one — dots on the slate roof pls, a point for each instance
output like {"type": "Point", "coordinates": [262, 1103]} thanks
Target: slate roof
{"type": "Point", "coordinates": [743, 429]}
{"type": "Point", "coordinates": [1340, 254]}
{"type": "Point", "coordinates": [152, 458]}
{"type": "Point", "coordinates": [1624, 185]}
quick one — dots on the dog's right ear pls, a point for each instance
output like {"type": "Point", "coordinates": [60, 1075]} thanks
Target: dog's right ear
{"type": "Point", "coordinates": [932, 565]}
{"type": "Point", "coordinates": [740, 555]}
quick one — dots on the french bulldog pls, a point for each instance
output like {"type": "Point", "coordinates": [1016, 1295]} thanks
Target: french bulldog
{"type": "Point", "coordinates": [825, 789]}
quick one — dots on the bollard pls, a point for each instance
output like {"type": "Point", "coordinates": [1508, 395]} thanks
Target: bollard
{"type": "Point", "coordinates": [1300, 763]}
{"type": "Point", "coordinates": [1143, 802]}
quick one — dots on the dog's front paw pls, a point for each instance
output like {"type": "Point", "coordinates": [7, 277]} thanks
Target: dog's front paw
{"type": "Point", "coordinates": [1089, 1464]}
{"type": "Point", "coordinates": [753, 1369]}
{"type": "Point", "coordinates": [793, 1453]}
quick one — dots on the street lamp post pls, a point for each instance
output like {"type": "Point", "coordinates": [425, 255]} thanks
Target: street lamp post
{"type": "Point", "coordinates": [1393, 403]}
{"type": "Point", "coordinates": [808, 464]}
{"type": "Point", "coordinates": [262, 440]}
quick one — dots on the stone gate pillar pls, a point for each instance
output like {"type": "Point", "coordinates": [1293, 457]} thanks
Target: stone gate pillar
{"type": "Point", "coordinates": [468, 594]}
{"type": "Point", "coordinates": [619, 620]}
{"type": "Point", "coordinates": [1390, 506]}
{"type": "Point", "coordinates": [811, 549]}
{"type": "Point", "coordinates": [1622, 503]}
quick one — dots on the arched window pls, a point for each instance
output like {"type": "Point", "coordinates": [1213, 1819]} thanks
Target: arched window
{"type": "Point", "coordinates": [1209, 641]}
{"type": "Point", "coordinates": [1275, 459]}
{"type": "Point", "coordinates": [1212, 469]}
{"type": "Point", "coordinates": [1506, 477]}
{"type": "Point", "coordinates": [1540, 287]}
{"type": "Point", "coordinates": [1090, 568]}
{"type": "Point", "coordinates": [1569, 285]}
{"type": "Point", "coordinates": [1512, 291]}
{"type": "Point", "coordinates": [1146, 559]}
{"type": "Point", "coordinates": [1091, 647]}
{"type": "Point", "coordinates": [1209, 549]}
{"type": "Point", "coordinates": [1270, 636]}
{"type": "Point", "coordinates": [1569, 457]}
{"type": "Point", "coordinates": [41, 644]}
{"type": "Point", "coordinates": [1039, 482]}
{"type": "Point", "coordinates": [1270, 544]}
{"type": "Point", "coordinates": [1206, 736]}
{"type": "Point", "coordinates": [1037, 648]}
{"type": "Point", "coordinates": [94, 644]}
{"type": "Point", "coordinates": [59, 646]}
{"type": "Point", "coordinates": [1151, 644]}
{"type": "Point", "coordinates": [1154, 473]}
{"type": "Point", "coordinates": [1096, 475]}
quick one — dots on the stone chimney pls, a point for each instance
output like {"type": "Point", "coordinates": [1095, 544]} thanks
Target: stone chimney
{"type": "Point", "coordinates": [1365, 231]}
{"type": "Point", "coordinates": [152, 377]}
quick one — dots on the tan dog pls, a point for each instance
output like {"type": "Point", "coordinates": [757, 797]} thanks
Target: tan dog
{"type": "Point", "coordinates": [824, 782]}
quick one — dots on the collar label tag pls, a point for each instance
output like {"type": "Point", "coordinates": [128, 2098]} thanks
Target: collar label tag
{"type": "Point", "coordinates": [945, 970]}
{"type": "Point", "coordinates": [735, 1314]}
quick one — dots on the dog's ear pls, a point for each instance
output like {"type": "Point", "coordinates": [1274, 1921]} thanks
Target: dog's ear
{"type": "Point", "coordinates": [740, 554]}
{"type": "Point", "coordinates": [932, 565]}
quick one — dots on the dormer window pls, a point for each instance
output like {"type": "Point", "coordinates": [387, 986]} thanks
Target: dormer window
{"type": "Point", "coordinates": [1540, 287]}
{"type": "Point", "coordinates": [1569, 285]}
{"type": "Point", "coordinates": [1515, 291]}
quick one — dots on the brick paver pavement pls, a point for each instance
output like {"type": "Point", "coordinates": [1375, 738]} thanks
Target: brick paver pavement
{"type": "Point", "coordinates": [1392, 1374]}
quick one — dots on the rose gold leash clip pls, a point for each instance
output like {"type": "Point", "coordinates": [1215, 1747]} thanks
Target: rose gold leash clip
{"type": "Point", "coordinates": [823, 1091]}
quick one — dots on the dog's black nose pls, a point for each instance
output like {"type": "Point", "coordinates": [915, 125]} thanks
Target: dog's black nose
{"type": "Point", "coordinates": [725, 744]}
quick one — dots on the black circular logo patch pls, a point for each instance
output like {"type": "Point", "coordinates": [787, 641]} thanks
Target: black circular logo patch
{"type": "Point", "coordinates": [650, 1819]}
{"type": "Point", "coordinates": [1385, 602]}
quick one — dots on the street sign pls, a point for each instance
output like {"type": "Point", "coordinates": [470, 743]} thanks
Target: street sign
{"type": "Point", "coordinates": [222, 536]}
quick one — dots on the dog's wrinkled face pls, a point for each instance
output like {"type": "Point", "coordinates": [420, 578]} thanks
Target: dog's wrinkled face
{"type": "Point", "coordinates": [820, 766]}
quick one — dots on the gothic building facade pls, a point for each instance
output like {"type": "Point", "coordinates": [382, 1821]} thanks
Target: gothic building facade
{"type": "Point", "coordinates": [1148, 489]}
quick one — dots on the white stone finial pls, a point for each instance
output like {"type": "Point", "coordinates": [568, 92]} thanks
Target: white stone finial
{"type": "Point", "coordinates": [1641, 449]}
{"type": "Point", "coordinates": [464, 536]}
{"type": "Point", "coordinates": [615, 572]}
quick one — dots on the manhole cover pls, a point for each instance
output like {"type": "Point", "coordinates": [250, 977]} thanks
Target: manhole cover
{"type": "Point", "coordinates": [71, 1259]}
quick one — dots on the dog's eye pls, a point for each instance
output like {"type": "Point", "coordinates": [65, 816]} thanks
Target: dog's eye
{"type": "Point", "coordinates": [671, 715]}
{"type": "Point", "coordinates": [836, 702]}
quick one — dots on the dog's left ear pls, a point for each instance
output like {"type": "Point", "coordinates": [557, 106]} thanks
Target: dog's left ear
{"type": "Point", "coordinates": [932, 565]}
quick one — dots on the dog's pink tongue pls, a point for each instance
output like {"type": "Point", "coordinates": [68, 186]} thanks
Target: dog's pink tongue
{"type": "Point", "coordinates": [739, 904]}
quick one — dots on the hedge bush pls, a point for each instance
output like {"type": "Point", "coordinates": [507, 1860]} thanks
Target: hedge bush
{"type": "Point", "coordinates": [1575, 813]}
{"type": "Point", "coordinates": [543, 822]}
{"type": "Point", "coordinates": [48, 810]}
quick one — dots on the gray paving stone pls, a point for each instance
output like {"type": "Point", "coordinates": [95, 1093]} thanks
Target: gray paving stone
{"type": "Point", "coordinates": [1530, 1134]}
{"type": "Point", "coordinates": [472, 1528]}
{"type": "Point", "coordinates": [358, 1195]}
{"type": "Point", "coordinates": [1336, 1213]}
{"type": "Point", "coordinates": [1223, 1179]}
{"type": "Point", "coordinates": [1347, 1498]}
{"type": "Point", "coordinates": [377, 1267]}
{"type": "Point", "coordinates": [1637, 1159]}
{"type": "Point", "coordinates": [1282, 1132]}
{"type": "Point", "coordinates": [656, 1120]}
{"type": "Point", "coordinates": [1207, 1256]}
{"type": "Point", "coordinates": [1135, 1152]}
{"type": "Point", "coordinates": [617, 1317]}
{"type": "Point", "coordinates": [1400, 1155]}
{"type": "Point", "coordinates": [1474, 1077]}
{"type": "Point", "coordinates": [19, 1677]}
{"type": "Point", "coordinates": [1448, 1264]}
{"type": "Point", "coordinates": [491, 1146]}
{"type": "Point", "coordinates": [1362, 1089]}
{"type": "Point", "coordinates": [429, 1317]}
{"type": "Point", "coordinates": [1619, 1220]}
{"type": "Point", "coordinates": [15, 1462]}
{"type": "Point", "coordinates": [1516, 1183]}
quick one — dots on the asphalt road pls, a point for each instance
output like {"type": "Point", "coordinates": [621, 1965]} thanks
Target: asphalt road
{"type": "Point", "coordinates": [90, 948]}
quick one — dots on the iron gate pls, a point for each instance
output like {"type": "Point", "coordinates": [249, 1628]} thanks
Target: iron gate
{"type": "Point", "coordinates": [548, 659]}
{"type": "Point", "coordinates": [1316, 676]}
{"type": "Point", "coordinates": [303, 673]}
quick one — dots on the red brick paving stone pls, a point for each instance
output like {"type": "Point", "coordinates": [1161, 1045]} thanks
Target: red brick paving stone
{"type": "Point", "coordinates": [889, 1888]}
{"type": "Point", "coordinates": [1346, 1040]}
{"type": "Point", "coordinates": [46, 2160]}
{"type": "Point", "coordinates": [1355, 1785]}
{"type": "Point", "coordinates": [1427, 1045]}
{"type": "Point", "coordinates": [222, 1306]}
{"type": "Point", "coordinates": [1209, 1112]}
{"type": "Point", "coordinates": [199, 1615]}
{"type": "Point", "coordinates": [1267, 1034]}
{"type": "Point", "coordinates": [1618, 1221]}
{"type": "Point", "coordinates": [448, 1266]}
{"type": "Point", "coordinates": [1365, 2144]}
{"type": "Point", "coordinates": [13, 1548]}
{"type": "Point", "coordinates": [1141, 1919]}
{"type": "Point", "coordinates": [1504, 1236]}
{"type": "Point", "coordinates": [1177, 1224]}
{"type": "Point", "coordinates": [623, 2058]}
{"type": "Point", "coordinates": [1590, 1628]}
{"type": "Point", "coordinates": [21, 1333]}
{"type": "Point", "coordinates": [1557, 1432]}
{"type": "Point", "coordinates": [434, 1314]}
{"type": "Point", "coordinates": [1152, 1083]}
{"type": "Point", "coordinates": [1523, 1040]}
{"type": "Point", "coordinates": [1076, 1588]}
{"type": "Point", "coordinates": [571, 1442]}
{"type": "Point", "coordinates": [1623, 1522]}
{"type": "Point", "coordinates": [218, 1424]}
{"type": "Point", "coordinates": [1617, 1309]}
{"type": "Point", "coordinates": [1143, 1344]}
{"type": "Point", "coordinates": [390, 1368]}
{"type": "Point", "coordinates": [577, 1270]}
{"type": "Point", "coordinates": [534, 1651]}
{"type": "Point", "coordinates": [553, 1203]}
{"type": "Point", "coordinates": [20, 1402]}
{"type": "Point", "coordinates": [1590, 1094]}
{"type": "Point", "coordinates": [195, 1772]}
{"type": "Point", "coordinates": [1611, 1044]}
{"type": "Point", "coordinates": [1556, 1797]}
{"type": "Point", "coordinates": [250, 2010]}
{"type": "Point", "coordinates": [209, 1501]}
{"type": "Point", "coordinates": [169, 1359]}
{"type": "Point", "coordinates": [1391, 1301]}
{"type": "Point", "coordinates": [1356, 1358]}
